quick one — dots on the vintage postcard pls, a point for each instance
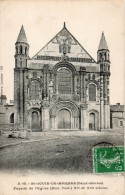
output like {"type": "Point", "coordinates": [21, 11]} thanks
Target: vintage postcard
{"type": "Point", "coordinates": [62, 97]}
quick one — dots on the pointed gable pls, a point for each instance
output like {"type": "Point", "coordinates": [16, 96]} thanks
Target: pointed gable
{"type": "Point", "coordinates": [22, 36]}
{"type": "Point", "coordinates": [103, 44]}
{"type": "Point", "coordinates": [63, 43]}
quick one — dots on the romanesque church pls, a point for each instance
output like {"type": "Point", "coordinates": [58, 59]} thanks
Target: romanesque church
{"type": "Point", "coordinates": [61, 87]}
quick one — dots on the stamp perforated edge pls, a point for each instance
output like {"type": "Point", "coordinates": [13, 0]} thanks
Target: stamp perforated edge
{"type": "Point", "coordinates": [97, 173]}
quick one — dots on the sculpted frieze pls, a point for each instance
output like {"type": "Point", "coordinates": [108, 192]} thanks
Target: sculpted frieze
{"type": "Point", "coordinates": [33, 103]}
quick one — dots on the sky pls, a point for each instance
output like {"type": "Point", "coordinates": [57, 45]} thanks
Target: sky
{"type": "Point", "coordinates": [85, 19]}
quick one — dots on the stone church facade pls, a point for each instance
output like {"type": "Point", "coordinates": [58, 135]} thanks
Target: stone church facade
{"type": "Point", "coordinates": [62, 87]}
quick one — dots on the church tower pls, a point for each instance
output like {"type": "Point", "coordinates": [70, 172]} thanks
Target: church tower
{"type": "Point", "coordinates": [22, 50]}
{"type": "Point", "coordinates": [20, 78]}
{"type": "Point", "coordinates": [104, 61]}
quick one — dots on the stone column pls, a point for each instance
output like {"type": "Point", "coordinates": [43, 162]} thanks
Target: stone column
{"type": "Point", "coordinates": [42, 119]}
{"type": "Point", "coordinates": [21, 103]}
{"type": "Point", "coordinates": [74, 122]}
{"type": "Point", "coordinates": [108, 103]}
{"type": "Point", "coordinates": [46, 117]}
{"type": "Point", "coordinates": [84, 88]}
{"type": "Point", "coordinates": [105, 100]}
{"type": "Point", "coordinates": [81, 86]}
{"type": "Point", "coordinates": [45, 81]}
{"type": "Point", "coordinates": [84, 118]}
{"type": "Point", "coordinates": [44, 84]}
{"type": "Point", "coordinates": [101, 103]}
{"type": "Point", "coordinates": [54, 85]}
{"type": "Point", "coordinates": [108, 90]}
{"type": "Point", "coordinates": [47, 84]}
{"type": "Point", "coordinates": [108, 116]}
{"type": "Point", "coordinates": [25, 100]}
{"type": "Point", "coordinates": [16, 96]}
{"type": "Point", "coordinates": [53, 122]}
{"type": "Point", "coordinates": [81, 118]}
{"type": "Point", "coordinates": [75, 84]}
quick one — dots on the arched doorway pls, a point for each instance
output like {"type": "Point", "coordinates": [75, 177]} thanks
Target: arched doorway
{"type": "Point", "coordinates": [64, 119]}
{"type": "Point", "coordinates": [12, 118]}
{"type": "Point", "coordinates": [35, 122]}
{"type": "Point", "coordinates": [92, 121]}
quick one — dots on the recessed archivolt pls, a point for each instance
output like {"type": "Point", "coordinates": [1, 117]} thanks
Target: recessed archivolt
{"type": "Point", "coordinates": [62, 65]}
{"type": "Point", "coordinates": [63, 105]}
{"type": "Point", "coordinates": [34, 79]}
{"type": "Point", "coordinates": [93, 111]}
{"type": "Point", "coordinates": [34, 110]}
{"type": "Point", "coordinates": [92, 82]}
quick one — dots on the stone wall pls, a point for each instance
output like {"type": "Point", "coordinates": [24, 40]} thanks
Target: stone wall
{"type": "Point", "coordinates": [6, 114]}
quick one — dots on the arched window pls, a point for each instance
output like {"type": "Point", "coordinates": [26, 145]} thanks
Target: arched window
{"type": "Point", "coordinates": [93, 76]}
{"type": "Point", "coordinates": [92, 92]}
{"type": "Point", "coordinates": [20, 62]}
{"type": "Point", "coordinates": [12, 118]}
{"type": "Point", "coordinates": [92, 121]}
{"type": "Point", "coordinates": [21, 49]}
{"type": "Point", "coordinates": [108, 57]}
{"type": "Point", "coordinates": [64, 81]}
{"type": "Point", "coordinates": [34, 90]}
{"type": "Point", "coordinates": [25, 50]}
{"type": "Point", "coordinates": [16, 50]}
{"type": "Point", "coordinates": [89, 76]}
{"type": "Point", "coordinates": [105, 56]}
{"type": "Point", "coordinates": [100, 55]}
{"type": "Point", "coordinates": [16, 61]}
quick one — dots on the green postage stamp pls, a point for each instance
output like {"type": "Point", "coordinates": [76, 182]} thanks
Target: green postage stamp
{"type": "Point", "coordinates": [108, 159]}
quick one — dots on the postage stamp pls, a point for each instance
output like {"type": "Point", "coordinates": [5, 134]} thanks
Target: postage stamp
{"type": "Point", "coordinates": [108, 159]}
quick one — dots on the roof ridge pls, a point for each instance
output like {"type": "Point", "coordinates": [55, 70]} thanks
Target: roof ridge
{"type": "Point", "coordinates": [64, 28]}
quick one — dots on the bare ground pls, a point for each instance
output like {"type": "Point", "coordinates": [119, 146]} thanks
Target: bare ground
{"type": "Point", "coordinates": [67, 152]}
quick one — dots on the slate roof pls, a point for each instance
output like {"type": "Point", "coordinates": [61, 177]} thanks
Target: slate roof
{"type": "Point", "coordinates": [117, 108]}
{"type": "Point", "coordinates": [22, 36]}
{"type": "Point", "coordinates": [8, 105]}
{"type": "Point", "coordinates": [3, 97]}
{"type": "Point", "coordinates": [103, 44]}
